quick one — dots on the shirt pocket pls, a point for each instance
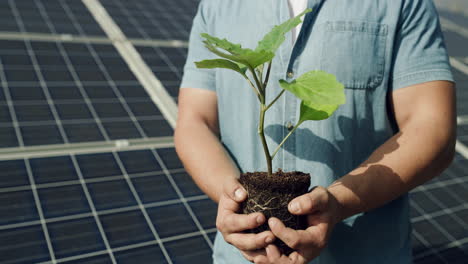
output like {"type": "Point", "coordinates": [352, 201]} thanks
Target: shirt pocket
{"type": "Point", "coordinates": [355, 52]}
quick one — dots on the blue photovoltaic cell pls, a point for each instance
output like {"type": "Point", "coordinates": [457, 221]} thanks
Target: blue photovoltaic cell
{"type": "Point", "coordinates": [126, 228]}
{"type": "Point", "coordinates": [149, 254]}
{"type": "Point", "coordinates": [172, 220]}
{"type": "Point", "coordinates": [23, 245]}
{"type": "Point", "coordinates": [75, 237]}
{"type": "Point", "coordinates": [111, 194]}
{"type": "Point", "coordinates": [189, 250]}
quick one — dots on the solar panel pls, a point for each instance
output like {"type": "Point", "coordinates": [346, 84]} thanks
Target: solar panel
{"type": "Point", "coordinates": [167, 64]}
{"type": "Point", "coordinates": [70, 92]}
{"type": "Point", "coordinates": [129, 205]}
{"type": "Point", "coordinates": [440, 217]}
{"type": "Point", "coordinates": [40, 16]}
{"type": "Point", "coordinates": [462, 92]}
{"type": "Point", "coordinates": [147, 19]}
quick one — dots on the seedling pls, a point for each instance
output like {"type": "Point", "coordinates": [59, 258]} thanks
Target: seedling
{"type": "Point", "coordinates": [319, 91]}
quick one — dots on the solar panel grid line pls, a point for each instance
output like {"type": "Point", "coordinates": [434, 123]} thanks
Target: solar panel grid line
{"type": "Point", "coordinates": [187, 235]}
{"type": "Point", "coordinates": [445, 211]}
{"type": "Point", "coordinates": [131, 246]}
{"type": "Point", "coordinates": [85, 121]}
{"type": "Point", "coordinates": [454, 27]}
{"type": "Point", "coordinates": [93, 147]}
{"type": "Point", "coordinates": [77, 257]}
{"type": "Point", "coordinates": [92, 206]}
{"type": "Point", "coordinates": [441, 183]}
{"type": "Point", "coordinates": [141, 207]}
{"type": "Point", "coordinates": [462, 120]}
{"type": "Point", "coordinates": [111, 82]}
{"type": "Point", "coordinates": [40, 77]}
{"type": "Point", "coordinates": [103, 213]}
{"type": "Point", "coordinates": [76, 79]}
{"type": "Point", "coordinates": [431, 250]}
{"type": "Point", "coordinates": [11, 108]}
{"type": "Point", "coordinates": [66, 38]}
{"type": "Point", "coordinates": [462, 149]}
{"type": "Point", "coordinates": [448, 211]}
{"type": "Point", "coordinates": [165, 14]}
{"type": "Point", "coordinates": [37, 202]}
{"type": "Point", "coordinates": [132, 20]}
{"type": "Point", "coordinates": [453, 194]}
{"type": "Point", "coordinates": [182, 13]}
{"type": "Point", "coordinates": [457, 64]}
{"type": "Point", "coordinates": [75, 182]}
{"type": "Point", "coordinates": [168, 61]}
{"type": "Point", "coordinates": [441, 229]}
{"type": "Point", "coordinates": [182, 198]}
{"type": "Point", "coordinates": [437, 250]}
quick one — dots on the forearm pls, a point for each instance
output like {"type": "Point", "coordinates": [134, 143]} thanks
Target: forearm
{"type": "Point", "coordinates": [204, 157]}
{"type": "Point", "coordinates": [408, 159]}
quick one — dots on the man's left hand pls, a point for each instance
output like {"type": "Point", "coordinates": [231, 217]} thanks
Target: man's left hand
{"type": "Point", "coordinates": [323, 212]}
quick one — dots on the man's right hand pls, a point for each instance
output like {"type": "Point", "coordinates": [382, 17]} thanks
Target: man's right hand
{"type": "Point", "coordinates": [231, 224]}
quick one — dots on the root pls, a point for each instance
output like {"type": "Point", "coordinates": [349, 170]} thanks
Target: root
{"type": "Point", "coordinates": [256, 207]}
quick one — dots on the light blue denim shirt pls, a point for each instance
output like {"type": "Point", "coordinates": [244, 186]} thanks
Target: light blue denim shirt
{"type": "Point", "coordinates": [373, 47]}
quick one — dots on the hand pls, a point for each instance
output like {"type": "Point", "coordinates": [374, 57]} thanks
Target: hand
{"type": "Point", "coordinates": [323, 212]}
{"type": "Point", "coordinates": [231, 224]}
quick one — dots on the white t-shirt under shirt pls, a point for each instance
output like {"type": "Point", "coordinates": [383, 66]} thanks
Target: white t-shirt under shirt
{"type": "Point", "coordinates": [295, 8]}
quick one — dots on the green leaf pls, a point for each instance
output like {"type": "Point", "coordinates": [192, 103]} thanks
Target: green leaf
{"type": "Point", "coordinates": [275, 37]}
{"type": "Point", "coordinates": [236, 53]}
{"type": "Point", "coordinates": [220, 63]}
{"type": "Point", "coordinates": [311, 112]}
{"type": "Point", "coordinates": [318, 88]}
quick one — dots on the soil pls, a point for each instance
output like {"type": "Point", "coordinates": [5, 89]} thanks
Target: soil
{"type": "Point", "coordinates": [271, 196]}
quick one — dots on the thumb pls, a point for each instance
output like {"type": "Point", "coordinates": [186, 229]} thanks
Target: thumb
{"type": "Point", "coordinates": [309, 203]}
{"type": "Point", "coordinates": [234, 190]}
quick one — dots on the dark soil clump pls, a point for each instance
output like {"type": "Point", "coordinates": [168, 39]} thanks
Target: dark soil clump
{"type": "Point", "coordinates": [271, 196]}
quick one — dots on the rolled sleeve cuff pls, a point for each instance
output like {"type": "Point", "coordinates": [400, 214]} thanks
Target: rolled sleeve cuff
{"type": "Point", "coordinates": [196, 78]}
{"type": "Point", "coordinates": [422, 77]}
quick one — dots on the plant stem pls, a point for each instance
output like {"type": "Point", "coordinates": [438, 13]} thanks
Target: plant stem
{"type": "Point", "coordinates": [259, 84]}
{"type": "Point", "coordinates": [285, 138]}
{"type": "Point", "coordinates": [276, 99]}
{"type": "Point", "coordinates": [259, 95]}
{"type": "Point", "coordinates": [261, 132]}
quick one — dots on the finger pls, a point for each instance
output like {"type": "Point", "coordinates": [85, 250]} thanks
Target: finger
{"type": "Point", "coordinates": [297, 258]}
{"type": "Point", "coordinates": [234, 223]}
{"type": "Point", "coordinates": [256, 256]}
{"type": "Point", "coordinates": [250, 241]}
{"type": "Point", "coordinates": [309, 203]}
{"type": "Point", "coordinates": [273, 253]}
{"type": "Point", "coordinates": [234, 190]}
{"type": "Point", "coordinates": [227, 205]}
{"type": "Point", "coordinates": [293, 238]}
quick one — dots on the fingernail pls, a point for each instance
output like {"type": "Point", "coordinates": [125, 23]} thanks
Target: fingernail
{"type": "Point", "coordinates": [239, 194]}
{"type": "Point", "coordinates": [294, 207]}
{"type": "Point", "coordinates": [268, 250]}
{"type": "Point", "coordinates": [268, 240]}
{"type": "Point", "coordinates": [271, 222]}
{"type": "Point", "coordinates": [259, 219]}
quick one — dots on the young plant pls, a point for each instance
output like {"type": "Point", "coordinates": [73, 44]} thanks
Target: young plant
{"type": "Point", "coordinates": [320, 92]}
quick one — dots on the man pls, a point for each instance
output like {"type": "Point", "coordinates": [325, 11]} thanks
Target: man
{"type": "Point", "coordinates": [395, 132]}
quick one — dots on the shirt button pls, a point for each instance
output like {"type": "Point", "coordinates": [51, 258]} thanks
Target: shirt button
{"type": "Point", "coordinates": [289, 126]}
{"type": "Point", "coordinates": [290, 74]}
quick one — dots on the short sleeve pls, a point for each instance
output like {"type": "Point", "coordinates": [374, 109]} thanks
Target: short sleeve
{"type": "Point", "coordinates": [194, 77]}
{"type": "Point", "coordinates": [419, 53]}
